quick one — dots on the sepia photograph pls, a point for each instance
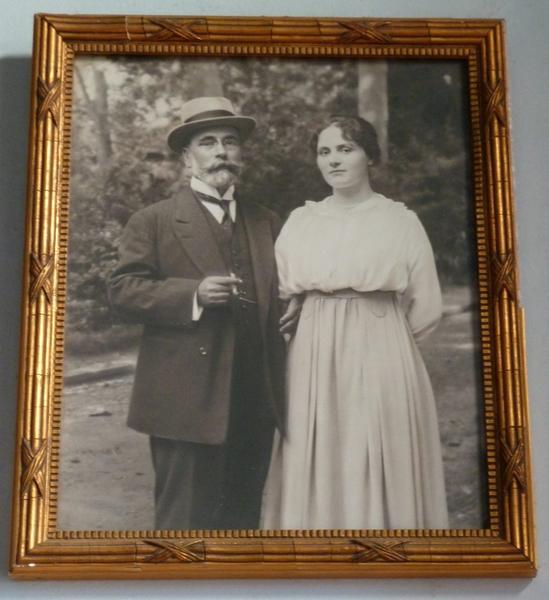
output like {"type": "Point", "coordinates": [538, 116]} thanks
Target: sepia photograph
{"type": "Point", "coordinates": [271, 322]}
{"type": "Point", "coordinates": [272, 306]}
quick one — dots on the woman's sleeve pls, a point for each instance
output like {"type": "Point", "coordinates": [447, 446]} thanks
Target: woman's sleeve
{"type": "Point", "coordinates": [281, 255]}
{"type": "Point", "coordinates": [422, 297]}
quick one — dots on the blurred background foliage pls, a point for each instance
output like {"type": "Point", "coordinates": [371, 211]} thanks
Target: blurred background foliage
{"type": "Point", "coordinates": [125, 106]}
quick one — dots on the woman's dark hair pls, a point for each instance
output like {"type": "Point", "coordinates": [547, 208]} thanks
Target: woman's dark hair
{"type": "Point", "coordinates": [355, 129]}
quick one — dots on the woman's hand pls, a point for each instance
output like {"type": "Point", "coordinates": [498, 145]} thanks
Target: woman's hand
{"type": "Point", "coordinates": [289, 320]}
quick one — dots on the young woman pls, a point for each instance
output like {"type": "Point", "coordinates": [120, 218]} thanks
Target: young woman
{"type": "Point", "coordinates": [362, 448]}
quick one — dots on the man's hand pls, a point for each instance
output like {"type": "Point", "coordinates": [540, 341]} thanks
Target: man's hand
{"type": "Point", "coordinates": [217, 290]}
{"type": "Point", "coordinates": [289, 320]}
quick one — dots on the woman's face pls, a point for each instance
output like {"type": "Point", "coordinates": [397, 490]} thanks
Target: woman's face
{"type": "Point", "coordinates": [343, 163]}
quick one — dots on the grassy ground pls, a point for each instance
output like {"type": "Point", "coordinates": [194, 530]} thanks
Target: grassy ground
{"type": "Point", "coordinates": [105, 471]}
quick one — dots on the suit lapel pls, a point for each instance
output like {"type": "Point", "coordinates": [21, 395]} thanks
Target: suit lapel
{"type": "Point", "coordinates": [195, 235]}
{"type": "Point", "coordinates": [259, 234]}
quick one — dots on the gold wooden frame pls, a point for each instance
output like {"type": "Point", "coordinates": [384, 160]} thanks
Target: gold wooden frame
{"type": "Point", "coordinates": [505, 548]}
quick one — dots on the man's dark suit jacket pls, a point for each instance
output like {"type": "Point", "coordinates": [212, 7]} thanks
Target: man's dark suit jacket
{"type": "Point", "coordinates": [182, 387]}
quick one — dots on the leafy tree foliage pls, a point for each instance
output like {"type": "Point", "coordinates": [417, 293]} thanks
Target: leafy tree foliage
{"type": "Point", "coordinates": [124, 107]}
{"type": "Point", "coordinates": [429, 163]}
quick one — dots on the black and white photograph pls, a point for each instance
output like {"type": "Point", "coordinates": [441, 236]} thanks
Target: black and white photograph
{"type": "Point", "coordinates": [271, 319]}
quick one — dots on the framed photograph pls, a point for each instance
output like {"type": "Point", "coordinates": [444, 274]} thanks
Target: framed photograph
{"type": "Point", "coordinates": [271, 320]}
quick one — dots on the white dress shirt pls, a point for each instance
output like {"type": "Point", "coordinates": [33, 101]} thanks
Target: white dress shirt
{"type": "Point", "coordinates": [217, 212]}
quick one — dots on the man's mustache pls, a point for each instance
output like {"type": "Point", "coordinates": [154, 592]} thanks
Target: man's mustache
{"type": "Point", "coordinates": [225, 166]}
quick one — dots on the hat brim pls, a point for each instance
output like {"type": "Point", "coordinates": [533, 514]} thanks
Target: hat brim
{"type": "Point", "coordinates": [179, 137]}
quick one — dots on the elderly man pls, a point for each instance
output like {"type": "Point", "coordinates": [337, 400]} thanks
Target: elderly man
{"type": "Point", "coordinates": [198, 270]}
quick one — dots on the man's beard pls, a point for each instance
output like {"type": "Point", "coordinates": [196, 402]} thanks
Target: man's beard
{"type": "Point", "coordinates": [221, 176]}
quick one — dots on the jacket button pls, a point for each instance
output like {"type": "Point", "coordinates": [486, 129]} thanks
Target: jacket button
{"type": "Point", "coordinates": [203, 351]}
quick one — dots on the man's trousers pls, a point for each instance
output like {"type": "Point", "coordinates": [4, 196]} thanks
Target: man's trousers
{"type": "Point", "coordinates": [203, 486]}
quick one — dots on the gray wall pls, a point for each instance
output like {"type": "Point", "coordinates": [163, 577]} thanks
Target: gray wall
{"type": "Point", "coordinates": [528, 57]}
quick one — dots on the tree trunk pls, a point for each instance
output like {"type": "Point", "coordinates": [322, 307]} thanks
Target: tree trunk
{"type": "Point", "coordinates": [98, 111]}
{"type": "Point", "coordinates": [102, 115]}
{"type": "Point", "coordinates": [373, 104]}
{"type": "Point", "coordinates": [205, 79]}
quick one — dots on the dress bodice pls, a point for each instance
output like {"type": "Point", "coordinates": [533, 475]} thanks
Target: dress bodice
{"type": "Point", "coordinates": [377, 245]}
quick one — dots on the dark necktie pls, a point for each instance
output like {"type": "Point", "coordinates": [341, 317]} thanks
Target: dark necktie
{"type": "Point", "coordinates": [226, 221]}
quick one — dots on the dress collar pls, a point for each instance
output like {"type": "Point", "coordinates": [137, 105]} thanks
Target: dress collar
{"type": "Point", "coordinates": [329, 207]}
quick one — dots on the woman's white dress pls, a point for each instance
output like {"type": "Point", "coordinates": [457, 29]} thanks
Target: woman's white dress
{"type": "Point", "coordinates": [362, 447]}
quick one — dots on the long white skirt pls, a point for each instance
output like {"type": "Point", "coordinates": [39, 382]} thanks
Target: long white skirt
{"type": "Point", "coordinates": [362, 448]}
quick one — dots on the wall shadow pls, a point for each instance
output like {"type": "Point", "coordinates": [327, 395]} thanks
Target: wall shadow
{"type": "Point", "coordinates": [15, 73]}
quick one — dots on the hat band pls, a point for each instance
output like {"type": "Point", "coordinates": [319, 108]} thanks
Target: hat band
{"type": "Point", "coordinates": [210, 114]}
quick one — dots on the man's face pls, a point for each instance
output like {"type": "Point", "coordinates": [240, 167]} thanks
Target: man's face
{"type": "Point", "coordinates": [214, 156]}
